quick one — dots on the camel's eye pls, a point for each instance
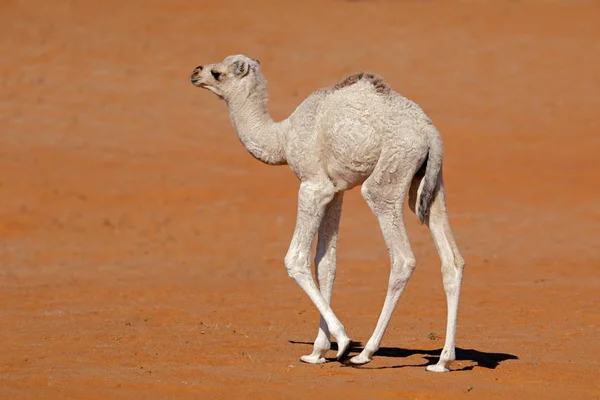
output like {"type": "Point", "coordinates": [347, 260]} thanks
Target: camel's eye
{"type": "Point", "coordinates": [217, 75]}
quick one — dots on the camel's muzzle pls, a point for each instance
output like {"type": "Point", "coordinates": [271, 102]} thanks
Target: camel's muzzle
{"type": "Point", "coordinates": [195, 78]}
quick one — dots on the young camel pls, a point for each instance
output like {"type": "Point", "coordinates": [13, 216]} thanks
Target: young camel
{"type": "Point", "coordinates": [357, 132]}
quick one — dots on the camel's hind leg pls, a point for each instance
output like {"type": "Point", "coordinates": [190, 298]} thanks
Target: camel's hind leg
{"type": "Point", "coordinates": [385, 192]}
{"type": "Point", "coordinates": [452, 267]}
{"type": "Point", "coordinates": [325, 261]}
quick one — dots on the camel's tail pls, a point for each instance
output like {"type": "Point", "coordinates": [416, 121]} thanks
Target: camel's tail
{"type": "Point", "coordinates": [432, 166]}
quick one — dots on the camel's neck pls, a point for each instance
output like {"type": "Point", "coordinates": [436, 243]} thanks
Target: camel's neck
{"type": "Point", "coordinates": [262, 137]}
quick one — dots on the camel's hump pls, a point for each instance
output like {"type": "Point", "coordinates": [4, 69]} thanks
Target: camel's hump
{"type": "Point", "coordinates": [377, 81]}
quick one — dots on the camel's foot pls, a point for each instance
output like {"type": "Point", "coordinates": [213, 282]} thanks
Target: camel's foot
{"type": "Point", "coordinates": [361, 359]}
{"type": "Point", "coordinates": [437, 368]}
{"type": "Point", "coordinates": [313, 359]}
{"type": "Point", "coordinates": [446, 358]}
{"type": "Point", "coordinates": [320, 348]}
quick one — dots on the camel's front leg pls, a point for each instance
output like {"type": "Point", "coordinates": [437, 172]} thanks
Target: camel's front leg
{"type": "Point", "coordinates": [313, 198]}
{"type": "Point", "coordinates": [325, 263]}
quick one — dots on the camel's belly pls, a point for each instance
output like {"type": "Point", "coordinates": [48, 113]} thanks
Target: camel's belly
{"type": "Point", "coordinates": [350, 149]}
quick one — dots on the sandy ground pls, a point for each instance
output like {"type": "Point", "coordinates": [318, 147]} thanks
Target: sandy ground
{"type": "Point", "coordinates": [141, 247]}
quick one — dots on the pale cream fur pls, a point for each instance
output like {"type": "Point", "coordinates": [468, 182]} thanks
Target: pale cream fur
{"type": "Point", "coordinates": [358, 132]}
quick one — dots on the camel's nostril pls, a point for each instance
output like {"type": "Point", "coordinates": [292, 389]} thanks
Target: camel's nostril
{"type": "Point", "coordinates": [199, 68]}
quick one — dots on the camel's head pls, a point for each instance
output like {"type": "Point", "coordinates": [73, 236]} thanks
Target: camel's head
{"type": "Point", "coordinates": [235, 75]}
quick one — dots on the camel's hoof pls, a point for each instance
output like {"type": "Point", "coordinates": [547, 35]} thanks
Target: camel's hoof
{"type": "Point", "coordinates": [360, 359]}
{"type": "Point", "coordinates": [344, 346]}
{"type": "Point", "coordinates": [313, 359]}
{"type": "Point", "coordinates": [437, 368]}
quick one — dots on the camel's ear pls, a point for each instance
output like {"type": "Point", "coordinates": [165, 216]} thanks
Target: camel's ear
{"type": "Point", "coordinates": [240, 69]}
{"type": "Point", "coordinates": [257, 60]}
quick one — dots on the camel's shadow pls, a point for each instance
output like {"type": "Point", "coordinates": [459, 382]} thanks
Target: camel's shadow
{"type": "Point", "coordinates": [482, 359]}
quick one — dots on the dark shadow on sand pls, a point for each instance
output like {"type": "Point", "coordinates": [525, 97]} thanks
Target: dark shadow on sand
{"type": "Point", "coordinates": [482, 359]}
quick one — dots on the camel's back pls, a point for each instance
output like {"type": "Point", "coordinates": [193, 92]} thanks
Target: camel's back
{"type": "Point", "coordinates": [369, 98]}
{"type": "Point", "coordinates": [343, 128]}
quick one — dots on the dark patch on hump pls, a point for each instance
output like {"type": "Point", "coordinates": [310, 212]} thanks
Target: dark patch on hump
{"type": "Point", "coordinates": [375, 80]}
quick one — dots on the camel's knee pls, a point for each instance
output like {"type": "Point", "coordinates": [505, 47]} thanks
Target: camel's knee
{"type": "Point", "coordinates": [452, 273]}
{"type": "Point", "coordinates": [453, 263]}
{"type": "Point", "coordinates": [296, 265]}
{"type": "Point", "coordinates": [402, 269]}
{"type": "Point", "coordinates": [320, 192]}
